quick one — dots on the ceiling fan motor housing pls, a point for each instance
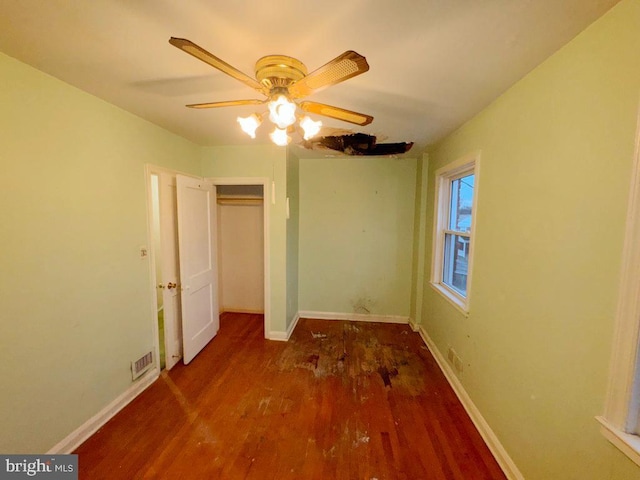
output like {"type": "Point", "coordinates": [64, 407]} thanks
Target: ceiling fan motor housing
{"type": "Point", "coordinates": [279, 71]}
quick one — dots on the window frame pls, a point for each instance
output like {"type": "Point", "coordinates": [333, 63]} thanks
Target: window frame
{"type": "Point", "coordinates": [620, 422]}
{"type": "Point", "coordinates": [467, 165]}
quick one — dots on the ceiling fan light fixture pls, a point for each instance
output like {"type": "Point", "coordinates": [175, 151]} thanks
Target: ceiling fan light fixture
{"type": "Point", "coordinates": [282, 112]}
{"type": "Point", "coordinates": [309, 127]}
{"type": "Point", "coordinates": [250, 124]}
{"type": "Point", "coordinates": [280, 137]}
{"type": "Point", "coordinates": [285, 81]}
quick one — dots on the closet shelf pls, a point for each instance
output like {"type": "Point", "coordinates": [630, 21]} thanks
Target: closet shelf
{"type": "Point", "coordinates": [237, 200]}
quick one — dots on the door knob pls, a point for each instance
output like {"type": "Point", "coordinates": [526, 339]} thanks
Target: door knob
{"type": "Point", "coordinates": [171, 285]}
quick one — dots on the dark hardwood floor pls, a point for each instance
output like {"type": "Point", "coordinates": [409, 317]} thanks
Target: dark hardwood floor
{"type": "Point", "coordinates": [340, 400]}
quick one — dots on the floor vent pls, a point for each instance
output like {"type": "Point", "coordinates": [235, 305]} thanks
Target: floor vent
{"type": "Point", "coordinates": [141, 365]}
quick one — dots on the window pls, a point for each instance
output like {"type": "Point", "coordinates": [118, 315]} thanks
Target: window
{"type": "Point", "coordinates": [456, 191]}
{"type": "Point", "coordinates": [621, 418]}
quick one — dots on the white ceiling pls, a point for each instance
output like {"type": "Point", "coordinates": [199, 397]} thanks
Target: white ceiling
{"type": "Point", "coordinates": [433, 63]}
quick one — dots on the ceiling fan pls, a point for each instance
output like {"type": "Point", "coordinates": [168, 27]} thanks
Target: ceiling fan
{"type": "Point", "coordinates": [284, 81]}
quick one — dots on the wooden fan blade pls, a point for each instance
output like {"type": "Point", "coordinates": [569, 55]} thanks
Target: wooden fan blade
{"type": "Point", "coordinates": [336, 112]}
{"type": "Point", "coordinates": [341, 68]}
{"type": "Point", "coordinates": [210, 59]}
{"type": "Point", "coordinates": [229, 103]}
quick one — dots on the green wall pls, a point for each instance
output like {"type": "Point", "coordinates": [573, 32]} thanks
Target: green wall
{"type": "Point", "coordinates": [293, 229]}
{"type": "Point", "coordinates": [356, 234]}
{"type": "Point", "coordinates": [418, 280]}
{"type": "Point", "coordinates": [75, 294]}
{"type": "Point", "coordinates": [557, 151]}
{"type": "Point", "coordinates": [266, 161]}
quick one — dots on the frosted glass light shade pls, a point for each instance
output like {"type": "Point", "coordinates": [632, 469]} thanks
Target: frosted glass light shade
{"type": "Point", "coordinates": [250, 124]}
{"type": "Point", "coordinates": [280, 137]}
{"type": "Point", "coordinates": [282, 112]}
{"type": "Point", "coordinates": [310, 127]}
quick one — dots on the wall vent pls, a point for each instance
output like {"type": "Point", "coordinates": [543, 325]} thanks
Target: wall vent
{"type": "Point", "coordinates": [141, 365]}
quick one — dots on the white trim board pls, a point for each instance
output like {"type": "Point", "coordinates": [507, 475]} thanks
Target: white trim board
{"type": "Point", "coordinates": [355, 317]}
{"type": "Point", "coordinates": [629, 444]}
{"type": "Point", "coordinates": [284, 336]}
{"type": "Point", "coordinates": [415, 326]}
{"type": "Point", "coordinates": [490, 438]}
{"type": "Point", "coordinates": [91, 426]}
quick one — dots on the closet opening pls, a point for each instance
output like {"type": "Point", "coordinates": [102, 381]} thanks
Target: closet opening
{"type": "Point", "coordinates": [241, 250]}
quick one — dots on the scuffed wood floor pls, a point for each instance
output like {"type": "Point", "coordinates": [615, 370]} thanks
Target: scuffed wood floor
{"type": "Point", "coordinates": [340, 400]}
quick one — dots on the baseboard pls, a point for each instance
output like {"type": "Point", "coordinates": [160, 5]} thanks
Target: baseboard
{"type": "Point", "coordinates": [356, 317]}
{"type": "Point", "coordinates": [414, 325]}
{"type": "Point", "coordinates": [284, 336]}
{"type": "Point", "coordinates": [241, 310]}
{"type": "Point", "coordinates": [500, 454]}
{"type": "Point", "coordinates": [91, 426]}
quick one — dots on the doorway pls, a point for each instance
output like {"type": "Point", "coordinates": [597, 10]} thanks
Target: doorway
{"type": "Point", "coordinates": [165, 269]}
{"type": "Point", "coordinates": [165, 263]}
{"type": "Point", "coordinates": [156, 247]}
{"type": "Point", "coordinates": [256, 193]}
{"type": "Point", "coordinates": [241, 248]}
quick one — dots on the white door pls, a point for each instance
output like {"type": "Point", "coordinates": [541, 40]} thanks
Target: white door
{"type": "Point", "coordinates": [198, 265]}
{"type": "Point", "coordinates": [170, 269]}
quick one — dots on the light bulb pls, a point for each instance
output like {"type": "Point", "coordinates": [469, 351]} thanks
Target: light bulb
{"type": "Point", "coordinates": [282, 112]}
{"type": "Point", "coordinates": [280, 137]}
{"type": "Point", "coordinates": [250, 124]}
{"type": "Point", "coordinates": [310, 127]}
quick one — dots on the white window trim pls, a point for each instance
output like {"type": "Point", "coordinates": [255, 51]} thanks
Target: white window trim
{"type": "Point", "coordinates": [443, 177]}
{"type": "Point", "coordinates": [622, 404]}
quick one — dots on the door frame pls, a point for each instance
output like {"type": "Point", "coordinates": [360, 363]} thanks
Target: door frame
{"type": "Point", "coordinates": [266, 195]}
{"type": "Point", "coordinates": [149, 170]}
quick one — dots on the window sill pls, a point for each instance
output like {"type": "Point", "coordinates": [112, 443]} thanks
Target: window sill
{"type": "Point", "coordinates": [627, 443]}
{"type": "Point", "coordinates": [452, 298]}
